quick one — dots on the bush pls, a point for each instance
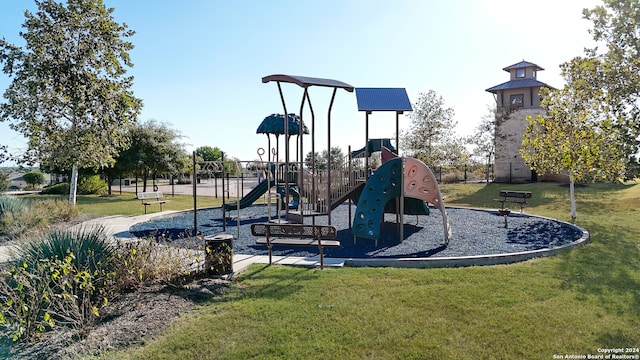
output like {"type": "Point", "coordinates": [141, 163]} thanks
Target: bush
{"type": "Point", "coordinates": [60, 278]}
{"type": "Point", "coordinates": [35, 215]}
{"type": "Point", "coordinates": [452, 177]}
{"type": "Point", "coordinates": [147, 261]}
{"type": "Point", "coordinates": [88, 185]}
{"type": "Point", "coordinates": [10, 204]}
{"type": "Point", "coordinates": [91, 248]}
{"type": "Point", "coordinates": [57, 189]}
{"type": "Point", "coordinates": [12, 210]}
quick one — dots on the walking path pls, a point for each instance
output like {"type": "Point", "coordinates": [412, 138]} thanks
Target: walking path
{"type": "Point", "coordinates": [118, 227]}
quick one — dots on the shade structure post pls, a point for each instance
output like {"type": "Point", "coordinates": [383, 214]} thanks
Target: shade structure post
{"type": "Point", "coordinates": [286, 151]}
{"type": "Point", "coordinates": [366, 145]}
{"type": "Point", "coordinates": [306, 82]}
{"type": "Point", "coordinates": [398, 131]}
{"type": "Point", "coordinates": [328, 200]}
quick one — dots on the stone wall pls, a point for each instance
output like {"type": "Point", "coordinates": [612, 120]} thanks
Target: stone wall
{"type": "Point", "coordinates": [509, 166]}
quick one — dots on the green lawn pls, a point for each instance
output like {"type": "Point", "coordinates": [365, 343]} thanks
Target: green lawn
{"type": "Point", "coordinates": [127, 204]}
{"type": "Point", "coordinates": [572, 303]}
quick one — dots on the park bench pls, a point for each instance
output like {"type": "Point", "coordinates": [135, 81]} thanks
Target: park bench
{"type": "Point", "coordinates": [295, 235]}
{"type": "Point", "coordinates": [515, 197]}
{"type": "Point", "coordinates": [152, 197]}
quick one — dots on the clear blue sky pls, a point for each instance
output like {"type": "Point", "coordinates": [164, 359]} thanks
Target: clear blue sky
{"type": "Point", "coordinates": [199, 64]}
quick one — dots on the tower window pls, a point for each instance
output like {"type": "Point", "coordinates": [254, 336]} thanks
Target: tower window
{"type": "Point", "coordinates": [517, 100]}
{"type": "Point", "coordinates": [520, 73]}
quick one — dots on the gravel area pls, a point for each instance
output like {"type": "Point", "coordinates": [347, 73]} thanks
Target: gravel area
{"type": "Point", "coordinates": [475, 232]}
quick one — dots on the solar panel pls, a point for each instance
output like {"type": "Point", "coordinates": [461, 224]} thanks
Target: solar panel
{"type": "Point", "coordinates": [383, 99]}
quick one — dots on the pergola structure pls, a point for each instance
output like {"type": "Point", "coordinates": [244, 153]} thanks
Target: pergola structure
{"type": "Point", "coordinates": [306, 82]}
{"type": "Point", "coordinates": [382, 99]}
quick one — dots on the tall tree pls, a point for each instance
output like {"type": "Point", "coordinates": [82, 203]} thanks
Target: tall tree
{"type": "Point", "coordinates": [69, 95]}
{"type": "Point", "coordinates": [573, 137]}
{"type": "Point", "coordinates": [616, 24]}
{"type": "Point", "coordinates": [208, 153]}
{"type": "Point", "coordinates": [483, 139]}
{"type": "Point", "coordinates": [321, 159]}
{"type": "Point", "coordinates": [431, 132]}
{"type": "Point", "coordinates": [154, 149]}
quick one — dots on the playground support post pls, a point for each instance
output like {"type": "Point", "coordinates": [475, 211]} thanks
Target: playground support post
{"type": "Point", "coordinates": [366, 145]}
{"type": "Point", "coordinates": [286, 150]}
{"type": "Point", "coordinates": [402, 201]}
{"type": "Point", "coordinates": [195, 196]}
{"type": "Point", "coordinates": [333, 96]}
{"type": "Point", "coordinates": [224, 213]}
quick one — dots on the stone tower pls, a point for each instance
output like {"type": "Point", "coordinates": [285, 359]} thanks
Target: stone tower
{"type": "Point", "coordinates": [515, 100]}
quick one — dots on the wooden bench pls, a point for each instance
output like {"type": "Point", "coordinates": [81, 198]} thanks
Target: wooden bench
{"type": "Point", "coordinates": [152, 197]}
{"type": "Point", "coordinates": [295, 235]}
{"type": "Point", "coordinates": [516, 197]}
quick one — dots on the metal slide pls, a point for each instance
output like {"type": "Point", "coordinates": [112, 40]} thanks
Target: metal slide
{"type": "Point", "coordinates": [251, 197]}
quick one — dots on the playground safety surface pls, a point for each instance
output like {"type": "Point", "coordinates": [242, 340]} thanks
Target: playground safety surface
{"type": "Point", "coordinates": [479, 236]}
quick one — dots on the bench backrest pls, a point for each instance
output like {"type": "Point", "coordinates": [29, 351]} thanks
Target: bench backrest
{"type": "Point", "coordinates": [515, 194]}
{"type": "Point", "coordinates": [294, 230]}
{"type": "Point", "coordinates": [149, 195]}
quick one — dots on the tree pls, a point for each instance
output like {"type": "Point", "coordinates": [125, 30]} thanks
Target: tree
{"type": "Point", "coordinates": [154, 149]}
{"type": "Point", "coordinates": [484, 139]}
{"type": "Point", "coordinates": [4, 180]}
{"type": "Point", "coordinates": [308, 161]}
{"type": "Point", "coordinates": [431, 133]}
{"type": "Point", "coordinates": [34, 179]}
{"type": "Point", "coordinates": [69, 95]}
{"type": "Point", "coordinates": [617, 24]}
{"type": "Point", "coordinates": [337, 157]}
{"type": "Point", "coordinates": [573, 137]}
{"type": "Point", "coordinates": [207, 153]}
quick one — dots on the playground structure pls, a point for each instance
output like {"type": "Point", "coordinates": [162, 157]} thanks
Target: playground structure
{"type": "Point", "coordinates": [400, 185]}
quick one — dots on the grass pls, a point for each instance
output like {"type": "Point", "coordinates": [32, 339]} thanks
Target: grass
{"type": "Point", "coordinates": [127, 204]}
{"type": "Point", "coordinates": [572, 303]}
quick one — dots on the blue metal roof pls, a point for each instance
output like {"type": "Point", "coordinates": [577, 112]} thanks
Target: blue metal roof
{"type": "Point", "coordinates": [518, 84]}
{"type": "Point", "coordinates": [383, 99]}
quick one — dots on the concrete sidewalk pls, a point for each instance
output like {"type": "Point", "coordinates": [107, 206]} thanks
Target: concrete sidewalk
{"type": "Point", "coordinates": [118, 226]}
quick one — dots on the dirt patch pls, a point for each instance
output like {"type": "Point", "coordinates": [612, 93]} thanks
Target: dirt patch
{"type": "Point", "coordinates": [131, 320]}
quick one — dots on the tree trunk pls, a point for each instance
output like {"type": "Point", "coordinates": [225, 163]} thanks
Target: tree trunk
{"type": "Point", "coordinates": [73, 184]}
{"type": "Point", "coordinates": [109, 181]}
{"type": "Point", "coordinates": [572, 195]}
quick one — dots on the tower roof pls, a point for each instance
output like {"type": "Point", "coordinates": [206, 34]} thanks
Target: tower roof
{"type": "Point", "coordinates": [522, 64]}
{"type": "Point", "coordinates": [517, 84]}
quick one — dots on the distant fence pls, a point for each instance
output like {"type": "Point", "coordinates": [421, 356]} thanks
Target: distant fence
{"type": "Point", "coordinates": [453, 174]}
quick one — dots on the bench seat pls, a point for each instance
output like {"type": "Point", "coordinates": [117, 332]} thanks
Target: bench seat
{"type": "Point", "coordinates": [298, 242]}
{"type": "Point", "coordinates": [514, 197]}
{"type": "Point", "coordinates": [150, 198]}
{"type": "Point", "coordinates": [272, 234]}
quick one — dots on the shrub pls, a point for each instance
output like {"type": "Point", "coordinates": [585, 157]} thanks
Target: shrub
{"type": "Point", "coordinates": [57, 189]}
{"type": "Point", "coordinates": [16, 221]}
{"type": "Point", "coordinates": [10, 204]}
{"type": "Point", "coordinates": [60, 278]}
{"type": "Point", "coordinates": [452, 177]}
{"type": "Point", "coordinates": [146, 261]}
{"type": "Point", "coordinates": [56, 210]}
{"type": "Point", "coordinates": [88, 185]}
{"type": "Point", "coordinates": [91, 248]}
{"type": "Point", "coordinates": [12, 210]}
